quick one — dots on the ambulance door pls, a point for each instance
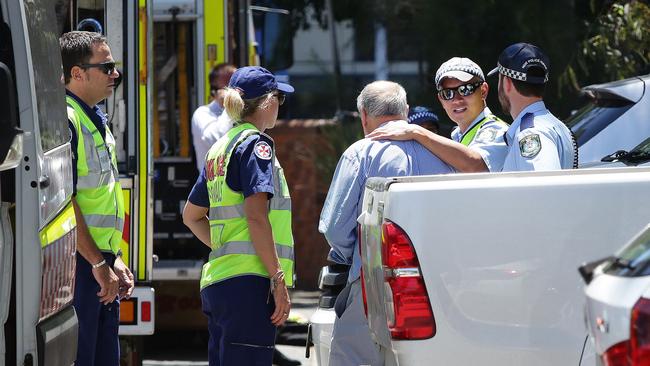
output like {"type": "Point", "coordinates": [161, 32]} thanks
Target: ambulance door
{"type": "Point", "coordinates": [189, 40]}
{"type": "Point", "coordinates": [127, 26]}
{"type": "Point", "coordinates": [129, 33]}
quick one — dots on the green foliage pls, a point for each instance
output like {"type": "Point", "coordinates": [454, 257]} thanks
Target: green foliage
{"type": "Point", "coordinates": [587, 41]}
{"type": "Point", "coordinates": [616, 47]}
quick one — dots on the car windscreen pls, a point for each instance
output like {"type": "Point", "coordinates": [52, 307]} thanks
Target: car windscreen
{"type": "Point", "coordinates": [634, 259]}
{"type": "Point", "coordinates": [595, 116]}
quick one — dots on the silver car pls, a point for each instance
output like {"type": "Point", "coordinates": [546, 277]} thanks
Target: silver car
{"type": "Point", "coordinates": [618, 304]}
{"type": "Point", "coordinates": [615, 117]}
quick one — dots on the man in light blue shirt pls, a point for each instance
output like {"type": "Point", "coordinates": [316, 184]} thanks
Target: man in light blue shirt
{"type": "Point", "coordinates": [536, 140]}
{"type": "Point", "coordinates": [381, 103]}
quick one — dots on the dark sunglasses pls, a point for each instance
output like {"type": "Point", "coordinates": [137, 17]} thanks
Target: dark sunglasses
{"type": "Point", "coordinates": [281, 97]}
{"type": "Point", "coordinates": [107, 67]}
{"type": "Point", "coordinates": [464, 90]}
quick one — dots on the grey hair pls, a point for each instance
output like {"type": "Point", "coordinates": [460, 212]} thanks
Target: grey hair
{"type": "Point", "coordinates": [383, 98]}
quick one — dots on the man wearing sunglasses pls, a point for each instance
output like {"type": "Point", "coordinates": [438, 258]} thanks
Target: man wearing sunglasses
{"type": "Point", "coordinates": [477, 143]}
{"type": "Point", "coordinates": [536, 140]}
{"type": "Point", "coordinates": [102, 278]}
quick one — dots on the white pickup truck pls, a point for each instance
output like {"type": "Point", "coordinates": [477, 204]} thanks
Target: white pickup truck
{"type": "Point", "coordinates": [482, 268]}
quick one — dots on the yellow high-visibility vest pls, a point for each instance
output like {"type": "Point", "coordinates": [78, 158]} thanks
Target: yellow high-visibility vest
{"type": "Point", "coordinates": [233, 253]}
{"type": "Point", "coordinates": [99, 193]}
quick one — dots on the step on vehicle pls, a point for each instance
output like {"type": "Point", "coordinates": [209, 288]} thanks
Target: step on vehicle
{"type": "Point", "coordinates": [331, 281]}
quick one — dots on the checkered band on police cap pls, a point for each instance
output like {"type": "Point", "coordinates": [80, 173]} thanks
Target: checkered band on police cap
{"type": "Point", "coordinates": [419, 115]}
{"type": "Point", "coordinates": [523, 62]}
{"type": "Point", "coordinates": [513, 74]}
{"type": "Point", "coordinates": [460, 68]}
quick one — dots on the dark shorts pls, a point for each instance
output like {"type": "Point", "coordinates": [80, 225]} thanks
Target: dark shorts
{"type": "Point", "coordinates": [239, 321]}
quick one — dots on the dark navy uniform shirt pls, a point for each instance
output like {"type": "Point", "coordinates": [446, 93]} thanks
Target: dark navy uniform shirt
{"type": "Point", "coordinates": [99, 119]}
{"type": "Point", "coordinates": [247, 172]}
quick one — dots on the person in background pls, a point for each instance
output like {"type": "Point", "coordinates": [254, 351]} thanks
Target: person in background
{"type": "Point", "coordinates": [209, 122]}
{"type": "Point", "coordinates": [536, 140]}
{"type": "Point", "coordinates": [477, 143]}
{"type": "Point", "coordinates": [240, 207]}
{"type": "Point", "coordinates": [102, 278]}
{"type": "Point", "coordinates": [424, 117]}
{"type": "Point", "coordinates": [381, 103]}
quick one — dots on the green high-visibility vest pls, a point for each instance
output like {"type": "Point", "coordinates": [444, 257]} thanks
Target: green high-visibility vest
{"type": "Point", "coordinates": [233, 253]}
{"type": "Point", "coordinates": [468, 137]}
{"type": "Point", "coordinates": [99, 193]}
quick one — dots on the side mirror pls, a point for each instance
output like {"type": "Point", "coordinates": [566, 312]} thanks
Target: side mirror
{"type": "Point", "coordinates": [11, 142]}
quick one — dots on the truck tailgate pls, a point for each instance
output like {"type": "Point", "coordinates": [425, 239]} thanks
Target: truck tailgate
{"type": "Point", "coordinates": [499, 256]}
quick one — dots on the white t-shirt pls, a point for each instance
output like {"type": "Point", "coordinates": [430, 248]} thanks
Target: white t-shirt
{"type": "Point", "coordinates": [209, 123]}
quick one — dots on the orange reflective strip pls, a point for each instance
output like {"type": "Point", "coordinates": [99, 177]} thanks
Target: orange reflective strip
{"type": "Point", "coordinates": [127, 311]}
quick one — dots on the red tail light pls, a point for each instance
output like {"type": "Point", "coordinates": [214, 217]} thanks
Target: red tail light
{"type": "Point", "coordinates": [640, 333]}
{"type": "Point", "coordinates": [410, 315]}
{"type": "Point", "coordinates": [616, 355]}
{"type": "Point", "coordinates": [146, 311]}
{"type": "Point", "coordinates": [636, 350]}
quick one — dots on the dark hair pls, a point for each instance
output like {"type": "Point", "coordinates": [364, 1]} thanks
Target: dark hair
{"type": "Point", "coordinates": [214, 74]}
{"type": "Point", "coordinates": [77, 49]}
{"type": "Point", "coordinates": [530, 89]}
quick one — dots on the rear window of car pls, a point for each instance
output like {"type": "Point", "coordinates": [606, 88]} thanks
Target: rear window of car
{"type": "Point", "coordinates": [634, 259]}
{"type": "Point", "coordinates": [595, 116]}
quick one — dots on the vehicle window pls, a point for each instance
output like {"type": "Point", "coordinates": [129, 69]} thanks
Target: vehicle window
{"type": "Point", "coordinates": [594, 117]}
{"type": "Point", "coordinates": [633, 259]}
{"type": "Point", "coordinates": [46, 63]}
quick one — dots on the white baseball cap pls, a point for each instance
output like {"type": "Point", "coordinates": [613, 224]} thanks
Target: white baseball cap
{"type": "Point", "coordinates": [460, 68]}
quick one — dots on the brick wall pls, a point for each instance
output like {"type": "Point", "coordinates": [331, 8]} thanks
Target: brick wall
{"type": "Point", "coordinates": [299, 144]}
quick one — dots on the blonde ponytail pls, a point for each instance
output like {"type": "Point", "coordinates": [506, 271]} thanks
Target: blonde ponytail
{"type": "Point", "coordinates": [233, 104]}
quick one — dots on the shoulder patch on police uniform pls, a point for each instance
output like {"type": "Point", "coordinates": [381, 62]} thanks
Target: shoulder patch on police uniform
{"type": "Point", "coordinates": [263, 150]}
{"type": "Point", "coordinates": [530, 146]}
{"type": "Point", "coordinates": [486, 135]}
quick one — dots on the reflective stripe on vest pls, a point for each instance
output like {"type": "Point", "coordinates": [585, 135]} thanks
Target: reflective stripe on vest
{"type": "Point", "coordinates": [235, 211]}
{"type": "Point", "coordinates": [99, 194]}
{"type": "Point", "coordinates": [468, 137]}
{"type": "Point", "coordinates": [103, 176]}
{"type": "Point", "coordinates": [246, 247]}
{"type": "Point", "coordinates": [233, 253]}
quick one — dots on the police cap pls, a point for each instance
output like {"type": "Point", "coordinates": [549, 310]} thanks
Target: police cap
{"type": "Point", "coordinates": [523, 62]}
